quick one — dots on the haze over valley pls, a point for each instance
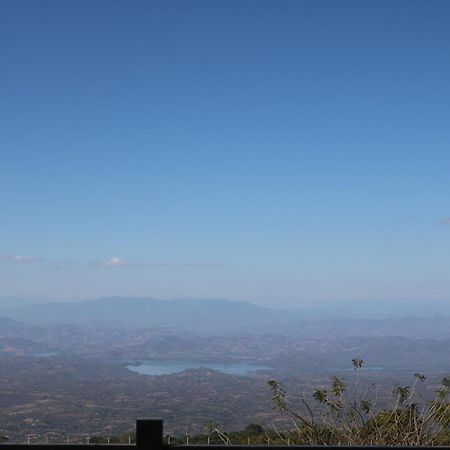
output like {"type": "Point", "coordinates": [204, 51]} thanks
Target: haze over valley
{"type": "Point", "coordinates": [206, 359]}
{"type": "Point", "coordinates": [208, 207]}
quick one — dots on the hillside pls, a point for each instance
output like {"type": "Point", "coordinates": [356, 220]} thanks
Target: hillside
{"type": "Point", "coordinates": [212, 315]}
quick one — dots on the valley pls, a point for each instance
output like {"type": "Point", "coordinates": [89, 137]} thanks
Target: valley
{"type": "Point", "coordinates": [61, 378]}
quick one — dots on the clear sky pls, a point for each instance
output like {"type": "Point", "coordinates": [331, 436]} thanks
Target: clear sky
{"type": "Point", "coordinates": [271, 151]}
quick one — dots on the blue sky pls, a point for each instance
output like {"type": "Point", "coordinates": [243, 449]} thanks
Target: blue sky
{"type": "Point", "coordinates": [277, 152]}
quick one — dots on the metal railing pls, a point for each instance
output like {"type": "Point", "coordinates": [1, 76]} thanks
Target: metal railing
{"type": "Point", "coordinates": [149, 436]}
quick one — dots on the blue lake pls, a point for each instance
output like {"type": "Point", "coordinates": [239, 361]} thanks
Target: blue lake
{"type": "Point", "coordinates": [46, 354]}
{"type": "Point", "coordinates": [158, 367]}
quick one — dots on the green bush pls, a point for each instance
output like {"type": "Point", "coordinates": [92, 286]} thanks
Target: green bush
{"type": "Point", "coordinates": [353, 419]}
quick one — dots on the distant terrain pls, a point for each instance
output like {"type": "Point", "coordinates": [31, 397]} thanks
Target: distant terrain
{"type": "Point", "coordinates": [210, 314]}
{"type": "Point", "coordinates": [63, 366]}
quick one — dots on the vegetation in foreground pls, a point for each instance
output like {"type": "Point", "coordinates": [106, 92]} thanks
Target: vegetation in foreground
{"type": "Point", "coordinates": [350, 417]}
{"type": "Point", "coordinates": [342, 415]}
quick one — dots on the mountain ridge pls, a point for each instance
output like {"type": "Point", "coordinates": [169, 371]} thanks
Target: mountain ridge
{"type": "Point", "coordinates": [178, 313]}
{"type": "Point", "coordinates": [217, 315]}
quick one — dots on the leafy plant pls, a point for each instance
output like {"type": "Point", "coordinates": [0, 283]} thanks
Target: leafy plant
{"type": "Point", "coordinates": [350, 418]}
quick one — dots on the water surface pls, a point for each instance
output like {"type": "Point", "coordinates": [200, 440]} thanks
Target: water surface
{"type": "Point", "coordinates": [158, 367]}
{"type": "Point", "coordinates": [46, 354]}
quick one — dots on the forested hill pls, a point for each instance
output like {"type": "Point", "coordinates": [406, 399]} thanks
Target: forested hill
{"type": "Point", "coordinates": [342, 318]}
{"type": "Point", "coordinates": [185, 314]}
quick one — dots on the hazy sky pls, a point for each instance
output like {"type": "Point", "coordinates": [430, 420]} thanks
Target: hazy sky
{"type": "Point", "coordinates": [267, 151]}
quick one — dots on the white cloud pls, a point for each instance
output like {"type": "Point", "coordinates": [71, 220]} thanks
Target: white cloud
{"type": "Point", "coordinates": [203, 265]}
{"type": "Point", "coordinates": [114, 261]}
{"type": "Point", "coordinates": [19, 259]}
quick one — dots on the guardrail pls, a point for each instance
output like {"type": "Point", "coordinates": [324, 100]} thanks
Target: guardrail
{"type": "Point", "coordinates": [149, 436]}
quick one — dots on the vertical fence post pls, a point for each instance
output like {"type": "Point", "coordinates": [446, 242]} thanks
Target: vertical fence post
{"type": "Point", "coordinates": [149, 434]}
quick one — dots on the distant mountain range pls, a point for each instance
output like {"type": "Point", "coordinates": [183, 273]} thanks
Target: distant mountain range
{"type": "Point", "coordinates": [184, 314]}
{"type": "Point", "coordinates": [218, 315]}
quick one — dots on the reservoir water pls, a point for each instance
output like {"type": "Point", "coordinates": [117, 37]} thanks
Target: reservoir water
{"type": "Point", "coordinates": [158, 367]}
{"type": "Point", "coordinates": [46, 354]}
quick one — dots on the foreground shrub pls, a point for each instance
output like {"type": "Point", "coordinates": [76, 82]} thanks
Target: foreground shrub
{"type": "Point", "coordinates": [351, 418]}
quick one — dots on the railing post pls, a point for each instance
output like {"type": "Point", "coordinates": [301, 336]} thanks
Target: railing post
{"type": "Point", "coordinates": [149, 434]}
